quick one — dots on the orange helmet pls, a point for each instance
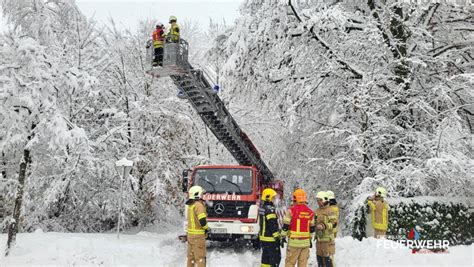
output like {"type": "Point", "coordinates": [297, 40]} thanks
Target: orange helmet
{"type": "Point", "coordinates": [299, 196]}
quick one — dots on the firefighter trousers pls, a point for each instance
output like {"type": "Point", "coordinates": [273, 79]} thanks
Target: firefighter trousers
{"type": "Point", "coordinates": [297, 255]}
{"type": "Point", "coordinates": [158, 60]}
{"type": "Point", "coordinates": [325, 248]}
{"type": "Point", "coordinates": [196, 251]}
{"type": "Point", "coordinates": [325, 261]}
{"type": "Point", "coordinates": [379, 233]}
{"type": "Point", "coordinates": [271, 254]}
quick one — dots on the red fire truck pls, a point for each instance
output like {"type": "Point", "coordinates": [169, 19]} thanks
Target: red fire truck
{"type": "Point", "coordinates": [233, 197]}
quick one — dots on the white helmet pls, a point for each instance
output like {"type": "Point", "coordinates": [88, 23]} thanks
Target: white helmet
{"type": "Point", "coordinates": [159, 25]}
{"type": "Point", "coordinates": [380, 191]}
{"type": "Point", "coordinates": [196, 192]}
{"type": "Point", "coordinates": [331, 194]}
{"type": "Point", "coordinates": [323, 195]}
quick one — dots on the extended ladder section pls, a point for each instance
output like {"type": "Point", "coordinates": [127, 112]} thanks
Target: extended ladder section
{"type": "Point", "coordinates": [199, 92]}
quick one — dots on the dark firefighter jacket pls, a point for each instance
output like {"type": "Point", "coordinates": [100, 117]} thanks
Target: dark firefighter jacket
{"type": "Point", "coordinates": [268, 222]}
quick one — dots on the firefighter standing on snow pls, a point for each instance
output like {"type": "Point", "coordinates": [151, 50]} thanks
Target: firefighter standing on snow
{"type": "Point", "coordinates": [378, 210]}
{"type": "Point", "coordinates": [333, 205]}
{"type": "Point", "coordinates": [197, 227]}
{"type": "Point", "coordinates": [326, 222]}
{"type": "Point", "coordinates": [269, 232]}
{"type": "Point", "coordinates": [299, 221]}
{"type": "Point", "coordinates": [335, 208]}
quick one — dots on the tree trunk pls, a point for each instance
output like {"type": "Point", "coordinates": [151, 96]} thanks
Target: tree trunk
{"type": "Point", "coordinates": [398, 46]}
{"type": "Point", "coordinates": [4, 169]}
{"type": "Point", "coordinates": [129, 124]}
{"type": "Point", "coordinates": [400, 34]}
{"type": "Point", "coordinates": [13, 227]}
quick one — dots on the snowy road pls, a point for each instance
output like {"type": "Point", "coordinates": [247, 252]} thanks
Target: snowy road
{"type": "Point", "coordinates": [144, 248]}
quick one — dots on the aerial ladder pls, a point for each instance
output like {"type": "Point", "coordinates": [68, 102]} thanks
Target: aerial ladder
{"type": "Point", "coordinates": [234, 215]}
{"type": "Point", "coordinates": [199, 92]}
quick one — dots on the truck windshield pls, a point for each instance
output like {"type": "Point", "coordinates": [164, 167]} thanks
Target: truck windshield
{"type": "Point", "coordinates": [238, 181]}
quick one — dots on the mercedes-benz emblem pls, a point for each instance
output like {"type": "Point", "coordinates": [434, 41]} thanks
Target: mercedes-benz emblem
{"type": "Point", "coordinates": [219, 208]}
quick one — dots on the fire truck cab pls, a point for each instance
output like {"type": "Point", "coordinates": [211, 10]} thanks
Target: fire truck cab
{"type": "Point", "coordinates": [232, 194]}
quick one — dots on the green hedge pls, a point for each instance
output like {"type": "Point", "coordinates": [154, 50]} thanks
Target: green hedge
{"type": "Point", "coordinates": [439, 218]}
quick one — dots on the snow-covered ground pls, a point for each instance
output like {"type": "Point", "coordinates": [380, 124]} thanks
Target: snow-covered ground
{"type": "Point", "coordinates": [146, 248]}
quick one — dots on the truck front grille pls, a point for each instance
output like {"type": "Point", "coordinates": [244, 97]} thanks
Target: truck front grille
{"type": "Point", "coordinates": [229, 209]}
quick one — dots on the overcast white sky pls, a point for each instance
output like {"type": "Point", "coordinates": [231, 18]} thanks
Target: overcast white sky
{"type": "Point", "coordinates": [126, 13]}
{"type": "Point", "coordinates": [158, 1]}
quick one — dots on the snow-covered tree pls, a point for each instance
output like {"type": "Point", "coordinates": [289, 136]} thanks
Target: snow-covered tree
{"type": "Point", "coordinates": [336, 96]}
{"type": "Point", "coordinates": [46, 87]}
{"type": "Point", "coordinates": [29, 110]}
{"type": "Point", "coordinates": [375, 93]}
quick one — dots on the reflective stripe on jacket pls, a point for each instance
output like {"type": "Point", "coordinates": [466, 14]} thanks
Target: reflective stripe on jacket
{"type": "Point", "coordinates": [335, 209]}
{"type": "Point", "coordinates": [299, 218]}
{"type": "Point", "coordinates": [268, 223]}
{"type": "Point", "coordinates": [327, 217]}
{"type": "Point", "coordinates": [173, 34]}
{"type": "Point", "coordinates": [379, 213]}
{"type": "Point", "coordinates": [195, 212]}
{"type": "Point", "coordinates": [158, 38]}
